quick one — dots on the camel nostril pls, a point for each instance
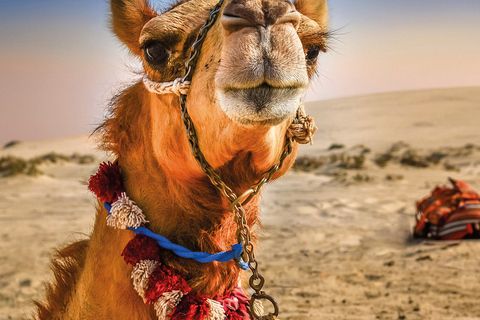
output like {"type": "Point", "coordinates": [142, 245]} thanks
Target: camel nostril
{"type": "Point", "coordinates": [236, 17]}
{"type": "Point", "coordinates": [231, 21]}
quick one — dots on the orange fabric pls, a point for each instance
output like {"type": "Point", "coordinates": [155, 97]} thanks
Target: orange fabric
{"type": "Point", "coordinates": [446, 205]}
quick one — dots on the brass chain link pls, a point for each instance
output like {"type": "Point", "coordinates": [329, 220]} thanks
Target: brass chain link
{"type": "Point", "coordinates": [243, 230]}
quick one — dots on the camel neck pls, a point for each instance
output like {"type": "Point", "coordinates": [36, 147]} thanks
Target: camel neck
{"type": "Point", "coordinates": [162, 177]}
{"type": "Point", "coordinates": [192, 214]}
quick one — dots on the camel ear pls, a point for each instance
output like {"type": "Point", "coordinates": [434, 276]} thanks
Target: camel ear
{"type": "Point", "coordinates": [317, 10]}
{"type": "Point", "coordinates": [127, 20]}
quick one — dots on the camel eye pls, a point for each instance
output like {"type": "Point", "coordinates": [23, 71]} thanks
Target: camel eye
{"type": "Point", "coordinates": [155, 53]}
{"type": "Point", "coordinates": [312, 54]}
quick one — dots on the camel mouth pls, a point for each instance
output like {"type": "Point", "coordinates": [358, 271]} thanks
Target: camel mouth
{"type": "Point", "coordinates": [261, 105]}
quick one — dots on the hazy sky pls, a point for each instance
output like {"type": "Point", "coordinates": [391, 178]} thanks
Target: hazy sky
{"type": "Point", "coordinates": [59, 64]}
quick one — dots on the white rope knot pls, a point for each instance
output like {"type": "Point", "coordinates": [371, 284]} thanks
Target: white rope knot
{"type": "Point", "coordinates": [125, 213]}
{"type": "Point", "coordinates": [302, 128]}
{"type": "Point", "coordinates": [176, 86]}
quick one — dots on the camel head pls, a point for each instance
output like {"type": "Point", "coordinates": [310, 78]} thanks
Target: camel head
{"type": "Point", "coordinates": [254, 68]}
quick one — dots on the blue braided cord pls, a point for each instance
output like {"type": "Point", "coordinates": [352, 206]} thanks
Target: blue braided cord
{"type": "Point", "coordinates": [224, 256]}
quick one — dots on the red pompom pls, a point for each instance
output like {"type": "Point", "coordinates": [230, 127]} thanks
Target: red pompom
{"type": "Point", "coordinates": [240, 314]}
{"type": "Point", "coordinates": [235, 304]}
{"type": "Point", "coordinates": [141, 248]}
{"type": "Point", "coordinates": [164, 279]}
{"type": "Point", "coordinates": [193, 306]}
{"type": "Point", "coordinates": [107, 183]}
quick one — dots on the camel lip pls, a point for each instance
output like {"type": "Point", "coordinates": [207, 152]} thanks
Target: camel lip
{"type": "Point", "coordinates": [263, 104]}
{"type": "Point", "coordinates": [263, 86]}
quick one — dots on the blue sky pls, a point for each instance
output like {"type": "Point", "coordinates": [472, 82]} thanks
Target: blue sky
{"type": "Point", "coordinates": [59, 63]}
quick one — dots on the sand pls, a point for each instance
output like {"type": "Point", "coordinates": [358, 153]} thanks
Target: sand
{"type": "Point", "coordinates": [337, 242]}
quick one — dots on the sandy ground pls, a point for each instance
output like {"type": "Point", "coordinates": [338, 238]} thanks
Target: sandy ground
{"type": "Point", "coordinates": [337, 242]}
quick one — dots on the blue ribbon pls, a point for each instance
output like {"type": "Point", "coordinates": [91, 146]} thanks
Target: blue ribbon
{"type": "Point", "coordinates": [203, 257]}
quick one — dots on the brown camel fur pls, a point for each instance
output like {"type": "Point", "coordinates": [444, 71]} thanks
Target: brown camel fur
{"type": "Point", "coordinates": [259, 53]}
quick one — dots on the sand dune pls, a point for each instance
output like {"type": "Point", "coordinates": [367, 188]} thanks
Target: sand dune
{"type": "Point", "coordinates": [336, 243]}
{"type": "Point", "coordinates": [425, 118]}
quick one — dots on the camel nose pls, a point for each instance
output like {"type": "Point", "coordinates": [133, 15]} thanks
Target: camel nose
{"type": "Point", "coordinates": [238, 15]}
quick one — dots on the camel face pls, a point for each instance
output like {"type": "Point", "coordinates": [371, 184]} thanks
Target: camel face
{"type": "Point", "coordinates": [259, 55]}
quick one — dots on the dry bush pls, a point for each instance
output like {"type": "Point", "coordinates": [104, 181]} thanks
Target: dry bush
{"type": "Point", "coordinates": [13, 166]}
{"type": "Point", "coordinates": [11, 144]}
{"type": "Point", "coordinates": [339, 160]}
{"type": "Point", "coordinates": [51, 157]}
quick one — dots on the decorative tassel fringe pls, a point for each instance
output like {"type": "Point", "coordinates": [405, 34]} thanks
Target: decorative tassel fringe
{"type": "Point", "coordinates": [125, 213]}
{"type": "Point", "coordinates": [216, 311]}
{"type": "Point", "coordinates": [140, 275]}
{"type": "Point", "coordinates": [167, 303]}
{"type": "Point", "coordinates": [302, 128]}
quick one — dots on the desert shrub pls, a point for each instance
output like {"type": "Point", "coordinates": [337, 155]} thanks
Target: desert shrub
{"type": "Point", "coordinates": [340, 176]}
{"type": "Point", "coordinates": [13, 166]}
{"type": "Point", "coordinates": [335, 146]}
{"type": "Point", "coordinates": [341, 160]}
{"type": "Point", "coordinates": [308, 164]}
{"type": "Point", "coordinates": [11, 144]}
{"type": "Point", "coordinates": [352, 161]}
{"type": "Point", "coordinates": [362, 149]}
{"type": "Point", "coordinates": [83, 159]}
{"type": "Point", "coordinates": [51, 157]}
{"type": "Point", "coordinates": [397, 146]}
{"type": "Point", "coordinates": [450, 167]}
{"type": "Point", "coordinates": [394, 177]}
{"type": "Point", "coordinates": [362, 178]}
{"type": "Point", "coordinates": [412, 159]}
{"type": "Point", "coordinates": [383, 159]}
{"type": "Point", "coordinates": [33, 171]}
{"type": "Point", "coordinates": [436, 157]}
{"type": "Point", "coordinates": [464, 151]}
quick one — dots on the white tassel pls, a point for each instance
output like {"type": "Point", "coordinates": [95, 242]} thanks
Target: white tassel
{"type": "Point", "coordinates": [140, 275]}
{"type": "Point", "coordinates": [216, 310]}
{"type": "Point", "coordinates": [125, 213]}
{"type": "Point", "coordinates": [258, 306]}
{"type": "Point", "coordinates": [176, 86]}
{"type": "Point", "coordinates": [167, 303]}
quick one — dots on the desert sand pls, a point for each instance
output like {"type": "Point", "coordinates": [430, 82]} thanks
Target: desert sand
{"type": "Point", "coordinates": [336, 242]}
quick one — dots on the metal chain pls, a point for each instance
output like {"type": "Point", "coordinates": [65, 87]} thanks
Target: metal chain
{"type": "Point", "coordinates": [243, 230]}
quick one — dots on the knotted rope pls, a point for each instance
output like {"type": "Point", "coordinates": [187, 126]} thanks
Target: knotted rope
{"type": "Point", "coordinates": [176, 86]}
{"type": "Point", "coordinates": [301, 130]}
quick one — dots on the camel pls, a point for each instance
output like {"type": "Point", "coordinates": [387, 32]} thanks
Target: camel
{"type": "Point", "coordinates": [254, 67]}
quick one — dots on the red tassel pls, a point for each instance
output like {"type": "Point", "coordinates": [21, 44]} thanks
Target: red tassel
{"type": "Point", "coordinates": [193, 306]}
{"type": "Point", "coordinates": [164, 279]}
{"type": "Point", "coordinates": [107, 183]}
{"type": "Point", "coordinates": [235, 305]}
{"type": "Point", "coordinates": [139, 248]}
